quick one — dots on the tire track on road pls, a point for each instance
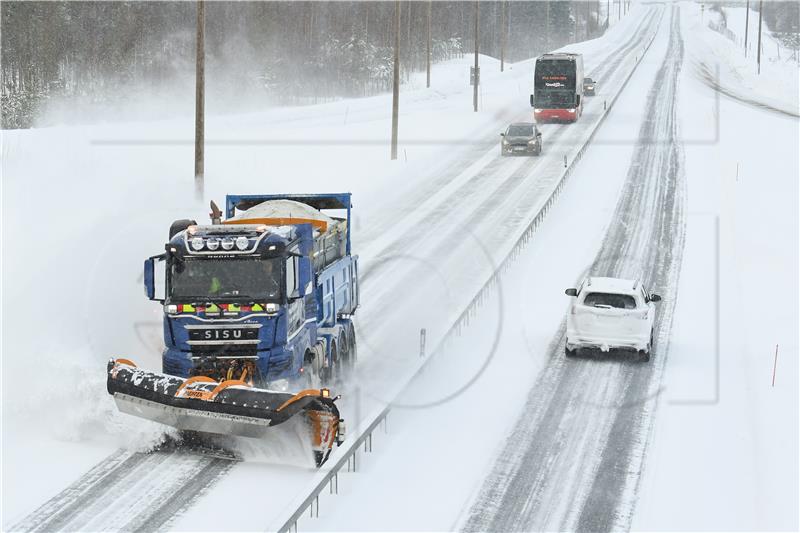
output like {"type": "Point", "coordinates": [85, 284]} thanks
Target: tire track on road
{"type": "Point", "coordinates": [110, 480]}
{"type": "Point", "coordinates": [576, 453]}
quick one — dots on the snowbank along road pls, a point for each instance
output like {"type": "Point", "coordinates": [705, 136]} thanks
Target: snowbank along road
{"type": "Point", "coordinates": [146, 491]}
{"type": "Point", "coordinates": [575, 457]}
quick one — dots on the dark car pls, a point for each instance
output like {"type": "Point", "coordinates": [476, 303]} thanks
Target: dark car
{"type": "Point", "coordinates": [521, 138]}
{"type": "Point", "coordinates": [588, 86]}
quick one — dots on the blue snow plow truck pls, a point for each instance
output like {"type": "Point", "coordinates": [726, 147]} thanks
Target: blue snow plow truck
{"type": "Point", "coordinates": [258, 320]}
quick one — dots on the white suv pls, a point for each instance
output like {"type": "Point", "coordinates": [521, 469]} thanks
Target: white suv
{"type": "Point", "coordinates": [611, 313]}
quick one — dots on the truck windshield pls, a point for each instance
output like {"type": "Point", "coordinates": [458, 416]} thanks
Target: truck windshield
{"type": "Point", "coordinates": [196, 279]}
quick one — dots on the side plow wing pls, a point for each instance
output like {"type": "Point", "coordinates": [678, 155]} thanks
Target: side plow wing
{"type": "Point", "coordinates": [226, 408]}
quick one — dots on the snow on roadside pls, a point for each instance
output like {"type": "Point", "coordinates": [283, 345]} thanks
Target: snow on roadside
{"type": "Point", "coordinates": [777, 86]}
{"type": "Point", "coordinates": [724, 452]}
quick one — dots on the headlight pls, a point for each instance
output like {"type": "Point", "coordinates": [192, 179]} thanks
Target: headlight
{"type": "Point", "coordinates": [197, 243]}
{"type": "Point", "coordinates": [212, 243]}
{"type": "Point", "coordinates": [271, 309]}
{"type": "Point", "coordinates": [505, 142]}
{"type": "Point", "coordinates": [242, 243]}
{"type": "Point", "coordinates": [172, 309]}
{"type": "Point", "coordinates": [227, 243]}
{"type": "Point", "coordinates": [537, 110]}
{"type": "Point", "coordinates": [532, 142]}
{"type": "Point", "coordinates": [571, 110]}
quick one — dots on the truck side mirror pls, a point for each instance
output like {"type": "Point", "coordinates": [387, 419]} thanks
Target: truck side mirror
{"type": "Point", "coordinates": [531, 100]}
{"type": "Point", "coordinates": [150, 266]}
{"type": "Point", "coordinates": [502, 134]}
{"type": "Point", "coordinates": [571, 292]}
{"type": "Point", "coordinates": [655, 298]}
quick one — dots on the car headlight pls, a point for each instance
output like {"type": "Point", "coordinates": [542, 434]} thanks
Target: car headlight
{"type": "Point", "coordinates": [537, 110]}
{"type": "Point", "coordinates": [532, 142]}
{"type": "Point", "coordinates": [571, 110]}
{"type": "Point", "coordinates": [505, 142]}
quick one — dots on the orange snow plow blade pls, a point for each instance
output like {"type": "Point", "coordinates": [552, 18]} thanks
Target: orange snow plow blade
{"type": "Point", "coordinates": [230, 407]}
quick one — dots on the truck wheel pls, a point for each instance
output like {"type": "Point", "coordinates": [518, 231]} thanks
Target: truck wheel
{"type": "Point", "coordinates": [180, 225]}
{"type": "Point", "coordinates": [351, 338]}
{"type": "Point", "coordinates": [313, 370]}
{"type": "Point", "coordinates": [328, 373]}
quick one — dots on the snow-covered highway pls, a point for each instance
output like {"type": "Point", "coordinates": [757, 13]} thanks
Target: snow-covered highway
{"type": "Point", "coordinates": [508, 437]}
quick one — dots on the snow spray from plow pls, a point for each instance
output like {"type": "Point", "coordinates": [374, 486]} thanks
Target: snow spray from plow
{"type": "Point", "coordinates": [226, 408]}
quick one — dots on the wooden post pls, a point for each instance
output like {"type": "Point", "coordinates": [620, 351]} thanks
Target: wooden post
{"type": "Point", "coordinates": [775, 365]}
{"type": "Point", "coordinates": [746, 26]}
{"type": "Point", "coordinates": [396, 81]}
{"type": "Point", "coordinates": [502, 34]}
{"type": "Point", "coordinates": [760, 11]}
{"type": "Point", "coordinates": [428, 55]}
{"type": "Point", "coordinates": [547, 26]}
{"type": "Point", "coordinates": [477, 76]}
{"type": "Point", "coordinates": [199, 110]}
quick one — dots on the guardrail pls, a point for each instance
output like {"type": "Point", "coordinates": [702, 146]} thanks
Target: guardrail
{"type": "Point", "coordinates": [330, 478]}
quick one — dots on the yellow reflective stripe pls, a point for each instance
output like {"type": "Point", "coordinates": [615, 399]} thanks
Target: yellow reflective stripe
{"type": "Point", "coordinates": [257, 307]}
{"type": "Point", "coordinates": [212, 308]}
{"type": "Point", "coordinates": [187, 308]}
{"type": "Point", "coordinates": [234, 307]}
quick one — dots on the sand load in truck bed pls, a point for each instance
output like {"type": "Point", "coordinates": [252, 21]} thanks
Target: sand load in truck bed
{"type": "Point", "coordinates": [330, 235]}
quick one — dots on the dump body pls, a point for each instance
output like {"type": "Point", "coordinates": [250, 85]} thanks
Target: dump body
{"type": "Point", "coordinates": [558, 88]}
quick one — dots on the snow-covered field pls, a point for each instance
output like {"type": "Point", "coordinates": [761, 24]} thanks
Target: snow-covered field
{"type": "Point", "coordinates": [723, 62]}
{"type": "Point", "coordinates": [723, 454]}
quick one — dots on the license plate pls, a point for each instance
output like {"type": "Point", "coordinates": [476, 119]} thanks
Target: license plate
{"type": "Point", "coordinates": [227, 334]}
{"type": "Point", "coordinates": [519, 148]}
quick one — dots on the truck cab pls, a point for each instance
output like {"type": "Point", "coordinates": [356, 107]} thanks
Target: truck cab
{"type": "Point", "coordinates": [266, 296]}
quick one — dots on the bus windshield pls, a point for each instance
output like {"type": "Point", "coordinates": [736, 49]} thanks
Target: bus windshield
{"type": "Point", "coordinates": [554, 84]}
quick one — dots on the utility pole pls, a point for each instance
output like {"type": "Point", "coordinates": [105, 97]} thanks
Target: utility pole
{"type": "Point", "coordinates": [746, 26]}
{"type": "Point", "coordinates": [396, 83]}
{"type": "Point", "coordinates": [608, 13]}
{"type": "Point", "coordinates": [199, 99]}
{"type": "Point", "coordinates": [477, 75]}
{"type": "Point", "coordinates": [619, 5]}
{"type": "Point", "coordinates": [588, 17]}
{"type": "Point", "coordinates": [502, 34]}
{"type": "Point", "coordinates": [760, 11]}
{"type": "Point", "coordinates": [428, 55]}
{"type": "Point", "coordinates": [547, 26]}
